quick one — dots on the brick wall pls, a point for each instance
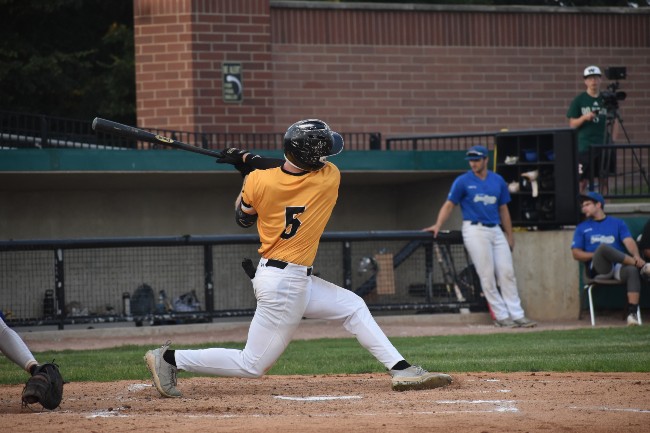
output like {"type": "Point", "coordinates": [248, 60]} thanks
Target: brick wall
{"type": "Point", "coordinates": [410, 69]}
{"type": "Point", "coordinates": [180, 48]}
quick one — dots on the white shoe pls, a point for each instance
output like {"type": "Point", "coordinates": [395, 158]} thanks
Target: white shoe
{"type": "Point", "coordinates": [645, 271]}
{"type": "Point", "coordinates": [416, 377]}
{"type": "Point", "coordinates": [162, 373]}
{"type": "Point", "coordinates": [632, 320]}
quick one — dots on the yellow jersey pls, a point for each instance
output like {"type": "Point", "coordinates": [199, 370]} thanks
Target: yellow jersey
{"type": "Point", "coordinates": [293, 210]}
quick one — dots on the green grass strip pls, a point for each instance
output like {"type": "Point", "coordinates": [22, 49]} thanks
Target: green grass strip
{"type": "Point", "coordinates": [588, 350]}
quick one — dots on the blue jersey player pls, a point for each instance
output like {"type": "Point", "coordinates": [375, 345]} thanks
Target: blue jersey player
{"type": "Point", "coordinates": [487, 233]}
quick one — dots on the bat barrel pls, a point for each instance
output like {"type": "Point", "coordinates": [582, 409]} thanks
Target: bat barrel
{"type": "Point", "coordinates": [110, 127]}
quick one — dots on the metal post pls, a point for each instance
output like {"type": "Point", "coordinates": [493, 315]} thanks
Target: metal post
{"type": "Point", "coordinates": [428, 270]}
{"type": "Point", "coordinates": [59, 287]}
{"type": "Point", "coordinates": [208, 267]}
{"type": "Point", "coordinates": [347, 265]}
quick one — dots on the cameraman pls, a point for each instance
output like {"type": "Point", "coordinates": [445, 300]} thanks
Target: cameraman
{"type": "Point", "coordinates": [588, 115]}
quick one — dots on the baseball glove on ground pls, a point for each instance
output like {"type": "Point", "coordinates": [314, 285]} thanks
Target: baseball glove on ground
{"type": "Point", "coordinates": [44, 387]}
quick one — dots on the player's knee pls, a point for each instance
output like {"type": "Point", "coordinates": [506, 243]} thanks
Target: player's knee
{"type": "Point", "coordinates": [255, 374]}
{"type": "Point", "coordinates": [256, 370]}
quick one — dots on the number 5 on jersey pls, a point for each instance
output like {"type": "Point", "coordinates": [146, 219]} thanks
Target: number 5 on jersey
{"type": "Point", "coordinates": [292, 222]}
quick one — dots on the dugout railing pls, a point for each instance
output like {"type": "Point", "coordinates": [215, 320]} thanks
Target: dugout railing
{"type": "Point", "coordinates": [147, 280]}
{"type": "Point", "coordinates": [628, 178]}
{"type": "Point", "coordinates": [629, 165]}
{"type": "Point", "coordinates": [22, 130]}
{"type": "Point", "coordinates": [442, 141]}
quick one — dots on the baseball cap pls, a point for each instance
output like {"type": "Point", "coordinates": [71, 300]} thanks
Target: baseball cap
{"type": "Point", "coordinates": [591, 70]}
{"type": "Point", "coordinates": [476, 152]}
{"type": "Point", "coordinates": [593, 196]}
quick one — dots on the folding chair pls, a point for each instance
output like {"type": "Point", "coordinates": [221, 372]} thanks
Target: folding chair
{"type": "Point", "coordinates": [601, 280]}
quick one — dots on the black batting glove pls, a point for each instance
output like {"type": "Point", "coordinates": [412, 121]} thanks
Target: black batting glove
{"type": "Point", "coordinates": [232, 155]}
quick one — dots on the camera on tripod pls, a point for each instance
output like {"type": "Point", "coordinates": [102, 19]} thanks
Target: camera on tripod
{"type": "Point", "coordinates": [612, 95]}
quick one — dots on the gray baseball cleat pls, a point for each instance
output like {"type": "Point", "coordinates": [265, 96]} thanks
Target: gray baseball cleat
{"type": "Point", "coordinates": [416, 378]}
{"type": "Point", "coordinates": [525, 322]}
{"type": "Point", "coordinates": [163, 373]}
{"type": "Point", "coordinates": [505, 323]}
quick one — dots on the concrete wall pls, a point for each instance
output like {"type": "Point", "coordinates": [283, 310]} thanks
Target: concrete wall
{"type": "Point", "coordinates": [547, 275]}
{"type": "Point", "coordinates": [59, 205]}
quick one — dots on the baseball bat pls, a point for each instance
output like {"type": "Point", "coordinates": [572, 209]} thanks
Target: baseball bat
{"type": "Point", "coordinates": [114, 128]}
{"type": "Point", "coordinates": [446, 270]}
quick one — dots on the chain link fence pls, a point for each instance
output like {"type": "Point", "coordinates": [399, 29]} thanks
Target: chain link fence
{"type": "Point", "coordinates": [195, 279]}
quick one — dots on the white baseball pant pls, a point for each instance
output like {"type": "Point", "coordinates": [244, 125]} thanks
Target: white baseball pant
{"type": "Point", "coordinates": [284, 297]}
{"type": "Point", "coordinates": [489, 250]}
{"type": "Point", "coordinates": [14, 348]}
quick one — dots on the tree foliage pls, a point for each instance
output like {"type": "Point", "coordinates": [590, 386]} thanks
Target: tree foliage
{"type": "Point", "coordinates": [75, 58]}
{"type": "Point", "coordinates": [69, 58]}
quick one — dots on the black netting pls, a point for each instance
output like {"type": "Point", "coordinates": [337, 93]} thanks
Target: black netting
{"type": "Point", "coordinates": [180, 281]}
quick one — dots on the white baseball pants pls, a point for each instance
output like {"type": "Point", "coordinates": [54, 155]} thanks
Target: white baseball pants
{"type": "Point", "coordinates": [14, 348]}
{"type": "Point", "coordinates": [284, 297]}
{"type": "Point", "coordinates": [489, 250]}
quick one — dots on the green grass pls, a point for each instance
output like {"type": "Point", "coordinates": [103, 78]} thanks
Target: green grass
{"type": "Point", "coordinates": [593, 350]}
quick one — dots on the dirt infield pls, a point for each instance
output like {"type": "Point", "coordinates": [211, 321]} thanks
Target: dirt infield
{"type": "Point", "coordinates": [478, 402]}
{"type": "Point", "coordinates": [531, 402]}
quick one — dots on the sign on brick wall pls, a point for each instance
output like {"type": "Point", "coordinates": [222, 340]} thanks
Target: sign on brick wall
{"type": "Point", "coordinates": [233, 90]}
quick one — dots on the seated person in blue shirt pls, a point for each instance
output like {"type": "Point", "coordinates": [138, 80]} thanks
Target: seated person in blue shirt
{"type": "Point", "coordinates": [605, 245]}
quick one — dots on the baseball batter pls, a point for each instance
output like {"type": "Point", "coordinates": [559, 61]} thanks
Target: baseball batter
{"type": "Point", "coordinates": [291, 203]}
{"type": "Point", "coordinates": [483, 197]}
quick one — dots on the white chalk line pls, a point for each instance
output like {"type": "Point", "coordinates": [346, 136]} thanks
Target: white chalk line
{"type": "Point", "coordinates": [610, 409]}
{"type": "Point", "coordinates": [106, 413]}
{"type": "Point", "coordinates": [319, 397]}
{"type": "Point", "coordinates": [499, 405]}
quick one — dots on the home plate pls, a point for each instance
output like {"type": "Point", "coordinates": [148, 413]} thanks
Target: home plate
{"type": "Point", "coordinates": [319, 397]}
{"type": "Point", "coordinates": [138, 386]}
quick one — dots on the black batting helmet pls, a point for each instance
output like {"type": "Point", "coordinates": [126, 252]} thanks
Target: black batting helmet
{"type": "Point", "coordinates": [309, 142]}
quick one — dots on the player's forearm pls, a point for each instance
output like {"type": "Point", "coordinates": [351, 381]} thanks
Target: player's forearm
{"type": "Point", "coordinates": [260, 162]}
{"type": "Point", "coordinates": [632, 248]}
{"type": "Point", "coordinates": [444, 213]}
{"type": "Point", "coordinates": [506, 224]}
{"type": "Point", "coordinates": [238, 201]}
{"type": "Point", "coordinates": [506, 221]}
{"type": "Point", "coordinates": [581, 255]}
{"type": "Point", "coordinates": [239, 196]}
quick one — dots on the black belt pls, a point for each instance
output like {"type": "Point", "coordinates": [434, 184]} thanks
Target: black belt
{"type": "Point", "coordinates": [281, 265]}
{"type": "Point", "coordinates": [478, 223]}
